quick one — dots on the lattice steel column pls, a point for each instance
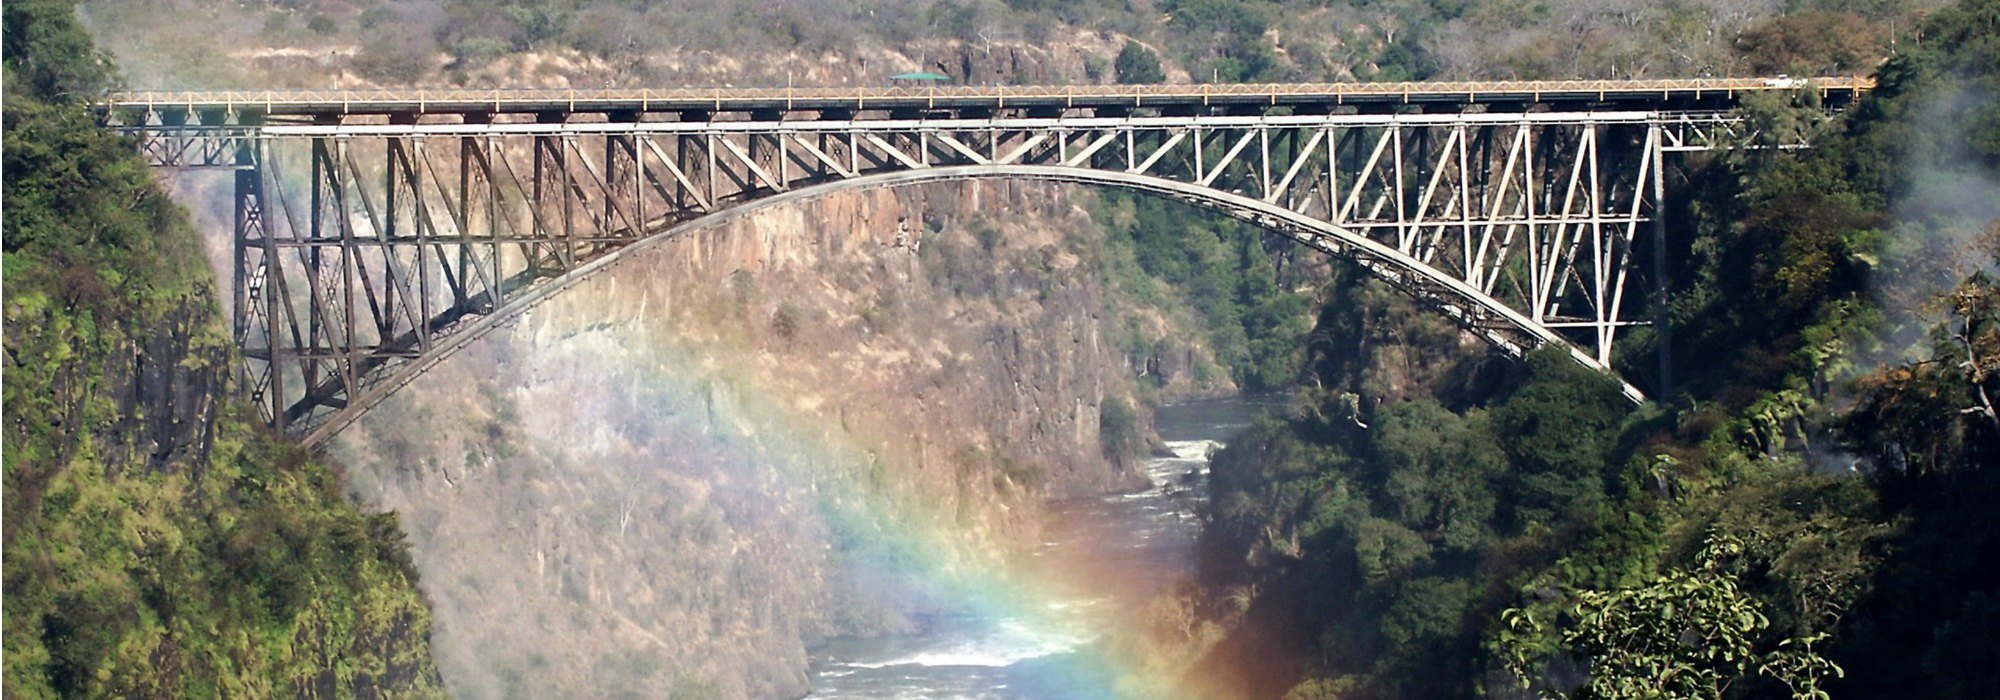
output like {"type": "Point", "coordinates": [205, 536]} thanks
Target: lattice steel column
{"type": "Point", "coordinates": [1662, 330]}
{"type": "Point", "coordinates": [248, 228]}
{"type": "Point", "coordinates": [258, 309]}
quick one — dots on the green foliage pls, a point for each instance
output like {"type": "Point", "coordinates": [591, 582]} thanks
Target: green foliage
{"type": "Point", "coordinates": [1440, 472]}
{"type": "Point", "coordinates": [954, 19]}
{"type": "Point", "coordinates": [158, 543]}
{"type": "Point", "coordinates": [1118, 429]}
{"type": "Point", "coordinates": [1403, 60]}
{"type": "Point", "coordinates": [1557, 430]}
{"type": "Point", "coordinates": [1224, 270]}
{"type": "Point", "coordinates": [786, 320]}
{"type": "Point", "coordinates": [1385, 525]}
{"type": "Point", "coordinates": [1138, 65]}
{"type": "Point", "coordinates": [1901, 416]}
{"type": "Point", "coordinates": [1686, 550]}
{"type": "Point", "coordinates": [477, 50]}
{"type": "Point", "coordinates": [1232, 21]}
{"type": "Point", "coordinates": [1688, 634]}
{"type": "Point", "coordinates": [1931, 618]}
{"type": "Point", "coordinates": [1223, 40]}
{"type": "Point", "coordinates": [519, 24]}
{"type": "Point", "coordinates": [48, 54]}
{"type": "Point", "coordinates": [1787, 255]}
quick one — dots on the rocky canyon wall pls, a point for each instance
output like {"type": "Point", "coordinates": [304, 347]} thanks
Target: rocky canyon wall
{"type": "Point", "coordinates": [677, 475]}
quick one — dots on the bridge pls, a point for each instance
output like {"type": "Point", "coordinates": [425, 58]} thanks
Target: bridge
{"type": "Point", "coordinates": [376, 232]}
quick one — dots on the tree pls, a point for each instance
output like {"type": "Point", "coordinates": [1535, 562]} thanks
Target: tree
{"type": "Point", "coordinates": [1440, 471]}
{"type": "Point", "coordinates": [1118, 429]}
{"type": "Point", "coordinates": [1688, 634]}
{"type": "Point", "coordinates": [1557, 429]}
{"type": "Point", "coordinates": [1938, 415]}
{"type": "Point", "coordinates": [50, 53]}
{"type": "Point", "coordinates": [1138, 65]}
{"type": "Point", "coordinates": [1812, 43]}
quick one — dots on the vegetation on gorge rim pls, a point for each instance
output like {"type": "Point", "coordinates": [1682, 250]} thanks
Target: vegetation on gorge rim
{"type": "Point", "coordinates": [1240, 282]}
{"type": "Point", "coordinates": [159, 541]}
{"type": "Point", "coordinates": [511, 43]}
{"type": "Point", "coordinates": [1806, 518]}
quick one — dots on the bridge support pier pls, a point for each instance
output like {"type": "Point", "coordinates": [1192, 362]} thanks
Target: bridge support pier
{"type": "Point", "coordinates": [255, 308]}
{"type": "Point", "coordinates": [1663, 331]}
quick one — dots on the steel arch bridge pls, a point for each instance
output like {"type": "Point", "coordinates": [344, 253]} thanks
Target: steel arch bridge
{"type": "Point", "coordinates": [377, 232]}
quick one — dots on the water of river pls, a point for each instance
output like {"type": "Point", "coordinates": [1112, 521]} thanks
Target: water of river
{"type": "Point", "coordinates": [1104, 558]}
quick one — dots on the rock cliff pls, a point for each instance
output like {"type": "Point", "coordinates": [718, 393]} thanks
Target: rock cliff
{"type": "Point", "coordinates": [681, 473]}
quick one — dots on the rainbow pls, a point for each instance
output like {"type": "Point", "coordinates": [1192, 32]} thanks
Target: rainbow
{"type": "Point", "coordinates": [914, 548]}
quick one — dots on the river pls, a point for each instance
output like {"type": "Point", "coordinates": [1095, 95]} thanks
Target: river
{"type": "Point", "coordinates": [1104, 558]}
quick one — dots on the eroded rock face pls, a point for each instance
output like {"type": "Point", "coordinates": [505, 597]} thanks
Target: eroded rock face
{"type": "Point", "coordinates": [678, 474]}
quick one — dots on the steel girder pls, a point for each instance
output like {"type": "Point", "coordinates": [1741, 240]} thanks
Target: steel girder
{"type": "Point", "coordinates": [367, 251]}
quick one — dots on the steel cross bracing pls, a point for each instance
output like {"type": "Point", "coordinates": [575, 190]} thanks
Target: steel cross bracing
{"type": "Point", "coordinates": [367, 248]}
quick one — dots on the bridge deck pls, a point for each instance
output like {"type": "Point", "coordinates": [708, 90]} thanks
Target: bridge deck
{"type": "Point", "coordinates": [1501, 95]}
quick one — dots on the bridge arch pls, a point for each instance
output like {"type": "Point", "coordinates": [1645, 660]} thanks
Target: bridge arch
{"type": "Point", "coordinates": [1473, 309]}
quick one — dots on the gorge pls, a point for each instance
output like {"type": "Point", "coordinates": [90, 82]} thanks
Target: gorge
{"type": "Point", "coordinates": [835, 449]}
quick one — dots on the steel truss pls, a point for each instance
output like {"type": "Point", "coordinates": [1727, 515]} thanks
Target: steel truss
{"type": "Point", "coordinates": [366, 250]}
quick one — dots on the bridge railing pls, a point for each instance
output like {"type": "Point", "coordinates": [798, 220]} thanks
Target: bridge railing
{"type": "Point", "coordinates": [421, 100]}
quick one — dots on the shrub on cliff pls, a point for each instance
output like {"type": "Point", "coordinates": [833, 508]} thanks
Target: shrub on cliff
{"type": "Point", "coordinates": [1138, 65]}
